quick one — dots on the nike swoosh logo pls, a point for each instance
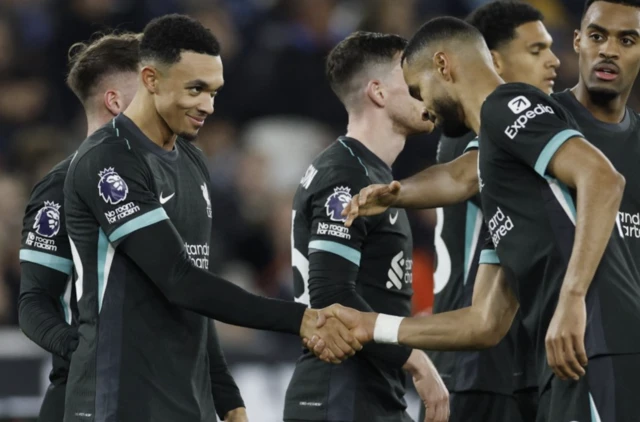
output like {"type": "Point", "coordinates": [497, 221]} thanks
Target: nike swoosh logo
{"type": "Point", "coordinates": [393, 219]}
{"type": "Point", "coordinates": [165, 199]}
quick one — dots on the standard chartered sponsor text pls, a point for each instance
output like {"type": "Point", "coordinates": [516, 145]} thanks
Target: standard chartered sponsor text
{"type": "Point", "coordinates": [629, 224]}
{"type": "Point", "coordinates": [199, 254]}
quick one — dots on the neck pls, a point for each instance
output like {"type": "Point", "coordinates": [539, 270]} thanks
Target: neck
{"type": "Point", "coordinates": [96, 120]}
{"type": "Point", "coordinates": [476, 91]}
{"type": "Point", "coordinates": [143, 113]}
{"type": "Point", "coordinates": [611, 111]}
{"type": "Point", "coordinates": [376, 131]}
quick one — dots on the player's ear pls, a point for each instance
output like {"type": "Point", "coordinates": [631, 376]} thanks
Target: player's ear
{"type": "Point", "coordinates": [497, 62]}
{"type": "Point", "coordinates": [442, 65]}
{"type": "Point", "coordinates": [113, 102]}
{"type": "Point", "coordinates": [376, 92]}
{"type": "Point", "coordinates": [576, 41]}
{"type": "Point", "coordinates": [150, 76]}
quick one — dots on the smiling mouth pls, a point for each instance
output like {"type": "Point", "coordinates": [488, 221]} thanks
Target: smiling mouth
{"type": "Point", "coordinates": [197, 122]}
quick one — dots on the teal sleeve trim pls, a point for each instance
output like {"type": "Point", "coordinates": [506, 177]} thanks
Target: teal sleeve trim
{"type": "Point", "coordinates": [550, 149]}
{"type": "Point", "coordinates": [489, 256]}
{"type": "Point", "coordinates": [144, 220]}
{"type": "Point", "coordinates": [474, 144]}
{"type": "Point", "coordinates": [51, 261]}
{"type": "Point", "coordinates": [336, 248]}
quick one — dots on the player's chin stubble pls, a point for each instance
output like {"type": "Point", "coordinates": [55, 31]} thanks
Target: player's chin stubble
{"type": "Point", "coordinates": [189, 137]}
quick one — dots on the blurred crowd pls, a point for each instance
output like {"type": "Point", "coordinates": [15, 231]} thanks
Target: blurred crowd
{"type": "Point", "coordinates": [275, 113]}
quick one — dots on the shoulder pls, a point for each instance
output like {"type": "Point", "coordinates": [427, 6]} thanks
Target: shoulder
{"type": "Point", "coordinates": [515, 98]}
{"type": "Point", "coordinates": [513, 106]}
{"type": "Point", "coordinates": [53, 181]}
{"type": "Point", "coordinates": [451, 148]}
{"type": "Point", "coordinates": [103, 147]}
{"type": "Point", "coordinates": [336, 166]}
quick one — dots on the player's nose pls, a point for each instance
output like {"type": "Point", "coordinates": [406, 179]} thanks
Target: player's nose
{"type": "Point", "coordinates": [206, 106]}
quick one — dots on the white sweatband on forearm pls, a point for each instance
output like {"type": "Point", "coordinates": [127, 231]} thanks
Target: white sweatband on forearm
{"type": "Point", "coordinates": [386, 329]}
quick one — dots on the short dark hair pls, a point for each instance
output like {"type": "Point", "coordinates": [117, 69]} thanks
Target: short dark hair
{"type": "Point", "coordinates": [104, 55]}
{"type": "Point", "coordinates": [497, 21]}
{"type": "Point", "coordinates": [588, 3]}
{"type": "Point", "coordinates": [355, 53]}
{"type": "Point", "coordinates": [446, 28]}
{"type": "Point", "coordinates": [165, 38]}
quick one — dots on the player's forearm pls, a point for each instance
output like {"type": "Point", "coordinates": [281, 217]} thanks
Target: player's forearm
{"type": "Point", "coordinates": [598, 201]}
{"type": "Point", "coordinates": [39, 313]}
{"type": "Point", "coordinates": [329, 283]}
{"type": "Point", "coordinates": [226, 394]}
{"type": "Point", "coordinates": [441, 185]}
{"type": "Point", "coordinates": [159, 252]}
{"type": "Point", "coordinates": [461, 329]}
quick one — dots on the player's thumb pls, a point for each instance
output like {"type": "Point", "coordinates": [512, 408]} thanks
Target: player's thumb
{"type": "Point", "coordinates": [394, 187]}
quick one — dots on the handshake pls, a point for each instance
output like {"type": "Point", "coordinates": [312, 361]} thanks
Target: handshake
{"type": "Point", "coordinates": [336, 332]}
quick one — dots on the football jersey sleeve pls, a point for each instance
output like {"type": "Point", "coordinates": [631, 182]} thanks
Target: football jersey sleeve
{"type": "Point", "coordinates": [488, 253]}
{"type": "Point", "coordinates": [473, 145]}
{"type": "Point", "coordinates": [328, 232]}
{"type": "Point", "coordinates": [526, 123]}
{"type": "Point", "coordinates": [118, 188]}
{"type": "Point", "coordinates": [44, 234]}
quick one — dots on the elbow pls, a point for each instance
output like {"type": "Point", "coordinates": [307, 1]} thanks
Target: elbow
{"type": "Point", "coordinates": [612, 181]}
{"type": "Point", "coordinates": [490, 337]}
{"type": "Point", "coordinates": [492, 331]}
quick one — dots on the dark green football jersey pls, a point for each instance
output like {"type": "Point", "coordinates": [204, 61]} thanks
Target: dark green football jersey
{"type": "Point", "coordinates": [459, 237]}
{"type": "Point", "coordinates": [621, 144]}
{"type": "Point", "coordinates": [362, 388]}
{"type": "Point", "coordinates": [532, 215]}
{"type": "Point", "coordinates": [139, 358]}
{"type": "Point", "coordinates": [45, 242]}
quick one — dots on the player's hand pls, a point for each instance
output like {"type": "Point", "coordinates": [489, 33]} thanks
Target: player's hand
{"type": "Point", "coordinates": [360, 324]}
{"type": "Point", "coordinates": [565, 338]}
{"type": "Point", "coordinates": [236, 415]}
{"type": "Point", "coordinates": [430, 387]}
{"type": "Point", "coordinates": [372, 200]}
{"type": "Point", "coordinates": [337, 342]}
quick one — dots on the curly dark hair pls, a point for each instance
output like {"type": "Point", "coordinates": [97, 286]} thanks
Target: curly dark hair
{"type": "Point", "coordinates": [104, 55]}
{"type": "Point", "coordinates": [166, 37]}
{"type": "Point", "coordinates": [355, 53]}
{"type": "Point", "coordinates": [498, 20]}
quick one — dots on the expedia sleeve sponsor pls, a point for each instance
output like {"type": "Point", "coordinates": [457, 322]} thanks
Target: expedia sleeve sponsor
{"type": "Point", "coordinates": [528, 124]}
{"type": "Point", "coordinates": [116, 186]}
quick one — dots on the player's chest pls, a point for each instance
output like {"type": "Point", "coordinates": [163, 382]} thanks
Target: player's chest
{"type": "Point", "coordinates": [387, 254]}
{"type": "Point", "coordinates": [183, 191]}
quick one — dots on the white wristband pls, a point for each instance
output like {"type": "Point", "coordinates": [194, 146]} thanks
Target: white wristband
{"type": "Point", "coordinates": [386, 329]}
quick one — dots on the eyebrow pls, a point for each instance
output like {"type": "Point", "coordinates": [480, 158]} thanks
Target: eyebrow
{"type": "Point", "coordinates": [623, 33]}
{"type": "Point", "coordinates": [541, 45]}
{"type": "Point", "coordinates": [201, 84]}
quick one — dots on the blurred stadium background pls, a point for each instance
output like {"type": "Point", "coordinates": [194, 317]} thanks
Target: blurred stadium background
{"type": "Point", "coordinates": [274, 115]}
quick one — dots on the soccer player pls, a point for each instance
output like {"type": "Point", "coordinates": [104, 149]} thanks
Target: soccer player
{"type": "Point", "coordinates": [550, 200]}
{"type": "Point", "coordinates": [138, 215]}
{"type": "Point", "coordinates": [367, 266]}
{"type": "Point", "coordinates": [103, 75]}
{"type": "Point", "coordinates": [608, 44]}
{"type": "Point", "coordinates": [482, 383]}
